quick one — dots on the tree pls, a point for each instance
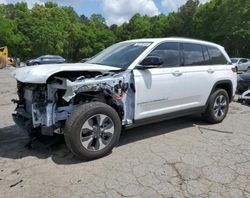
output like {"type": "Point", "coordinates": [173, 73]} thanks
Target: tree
{"type": "Point", "coordinates": [52, 29]}
{"type": "Point", "coordinates": [183, 22]}
{"type": "Point", "coordinates": [226, 22]}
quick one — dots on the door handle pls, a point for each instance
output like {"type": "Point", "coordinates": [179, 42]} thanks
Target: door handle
{"type": "Point", "coordinates": [210, 71]}
{"type": "Point", "coordinates": [177, 73]}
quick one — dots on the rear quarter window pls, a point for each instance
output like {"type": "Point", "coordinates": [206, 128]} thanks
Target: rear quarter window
{"type": "Point", "coordinates": [216, 56]}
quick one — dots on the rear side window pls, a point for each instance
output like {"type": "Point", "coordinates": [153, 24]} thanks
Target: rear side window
{"type": "Point", "coordinates": [206, 55]}
{"type": "Point", "coordinates": [216, 56]}
{"type": "Point", "coordinates": [192, 54]}
{"type": "Point", "coordinates": [243, 61]}
{"type": "Point", "coordinates": [169, 52]}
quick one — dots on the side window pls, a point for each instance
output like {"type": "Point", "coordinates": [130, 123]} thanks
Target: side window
{"type": "Point", "coordinates": [192, 54]}
{"type": "Point", "coordinates": [205, 54]}
{"type": "Point", "coordinates": [243, 61]}
{"type": "Point", "coordinates": [169, 52]}
{"type": "Point", "coordinates": [216, 56]}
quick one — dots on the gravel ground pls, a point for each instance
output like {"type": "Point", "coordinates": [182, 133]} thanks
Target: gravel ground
{"type": "Point", "coordinates": [177, 158]}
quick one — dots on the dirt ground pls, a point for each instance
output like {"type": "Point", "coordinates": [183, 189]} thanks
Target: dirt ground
{"type": "Point", "coordinates": [178, 158]}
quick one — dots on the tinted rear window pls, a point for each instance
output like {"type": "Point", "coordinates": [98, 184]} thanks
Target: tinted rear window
{"type": "Point", "coordinates": [216, 56]}
{"type": "Point", "coordinates": [192, 54]}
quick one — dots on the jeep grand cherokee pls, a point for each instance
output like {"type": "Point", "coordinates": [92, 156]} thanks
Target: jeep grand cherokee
{"type": "Point", "coordinates": [131, 83]}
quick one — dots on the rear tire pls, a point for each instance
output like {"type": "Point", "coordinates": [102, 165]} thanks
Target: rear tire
{"type": "Point", "coordinates": [217, 107]}
{"type": "Point", "coordinates": [92, 130]}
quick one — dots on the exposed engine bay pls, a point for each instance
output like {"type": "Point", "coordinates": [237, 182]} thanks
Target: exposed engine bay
{"type": "Point", "coordinates": [47, 106]}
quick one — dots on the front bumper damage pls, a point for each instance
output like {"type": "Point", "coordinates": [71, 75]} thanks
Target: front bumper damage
{"type": "Point", "coordinates": [22, 122]}
{"type": "Point", "coordinates": [40, 109]}
{"type": "Point", "coordinates": [31, 116]}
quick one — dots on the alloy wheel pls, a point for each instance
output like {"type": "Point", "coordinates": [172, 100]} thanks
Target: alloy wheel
{"type": "Point", "coordinates": [220, 106]}
{"type": "Point", "coordinates": [97, 132]}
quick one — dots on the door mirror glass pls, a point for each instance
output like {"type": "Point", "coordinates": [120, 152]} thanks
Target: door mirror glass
{"type": "Point", "coordinates": [152, 61]}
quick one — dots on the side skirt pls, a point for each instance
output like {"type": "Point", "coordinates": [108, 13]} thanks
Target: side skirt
{"type": "Point", "coordinates": [167, 116]}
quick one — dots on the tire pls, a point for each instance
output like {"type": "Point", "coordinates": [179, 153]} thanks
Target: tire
{"type": "Point", "coordinates": [89, 133]}
{"type": "Point", "coordinates": [217, 107]}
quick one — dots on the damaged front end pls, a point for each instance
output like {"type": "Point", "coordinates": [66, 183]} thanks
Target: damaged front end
{"type": "Point", "coordinates": [46, 107]}
{"type": "Point", "coordinates": [31, 103]}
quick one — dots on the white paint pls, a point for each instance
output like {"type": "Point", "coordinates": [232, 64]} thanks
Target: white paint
{"type": "Point", "coordinates": [158, 90]}
{"type": "Point", "coordinates": [40, 74]}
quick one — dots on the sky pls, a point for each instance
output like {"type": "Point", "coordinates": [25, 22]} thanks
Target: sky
{"type": "Point", "coordinates": [115, 11]}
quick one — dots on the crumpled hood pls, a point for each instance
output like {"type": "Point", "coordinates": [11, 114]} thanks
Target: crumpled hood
{"type": "Point", "coordinates": [40, 74]}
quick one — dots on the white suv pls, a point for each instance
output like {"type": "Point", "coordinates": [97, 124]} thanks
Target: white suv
{"type": "Point", "coordinates": [128, 84]}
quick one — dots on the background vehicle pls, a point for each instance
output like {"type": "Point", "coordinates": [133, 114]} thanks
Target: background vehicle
{"type": "Point", "coordinates": [243, 82]}
{"type": "Point", "coordinates": [47, 59]}
{"type": "Point", "coordinates": [5, 59]}
{"type": "Point", "coordinates": [128, 84]}
{"type": "Point", "coordinates": [243, 64]}
{"type": "Point", "coordinates": [84, 60]}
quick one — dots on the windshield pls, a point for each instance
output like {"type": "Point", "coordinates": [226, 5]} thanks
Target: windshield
{"type": "Point", "coordinates": [234, 60]}
{"type": "Point", "coordinates": [120, 55]}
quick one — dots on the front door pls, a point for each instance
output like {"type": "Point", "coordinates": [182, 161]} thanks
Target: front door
{"type": "Point", "coordinates": [160, 90]}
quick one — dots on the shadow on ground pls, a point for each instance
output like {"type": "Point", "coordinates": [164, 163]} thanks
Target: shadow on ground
{"type": "Point", "coordinates": [14, 143]}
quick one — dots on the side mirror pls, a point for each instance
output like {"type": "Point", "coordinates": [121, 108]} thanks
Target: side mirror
{"type": "Point", "coordinates": [152, 60]}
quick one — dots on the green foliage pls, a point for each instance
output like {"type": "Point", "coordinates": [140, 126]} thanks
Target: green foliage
{"type": "Point", "coordinates": [51, 29]}
{"type": "Point", "coordinates": [226, 22]}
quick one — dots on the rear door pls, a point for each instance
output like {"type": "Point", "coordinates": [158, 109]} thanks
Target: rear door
{"type": "Point", "coordinates": [197, 74]}
{"type": "Point", "coordinates": [204, 65]}
{"type": "Point", "coordinates": [60, 59]}
{"type": "Point", "coordinates": [45, 60]}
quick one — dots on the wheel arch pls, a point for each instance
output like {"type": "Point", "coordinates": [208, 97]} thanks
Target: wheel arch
{"type": "Point", "coordinates": [106, 99]}
{"type": "Point", "coordinates": [227, 85]}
